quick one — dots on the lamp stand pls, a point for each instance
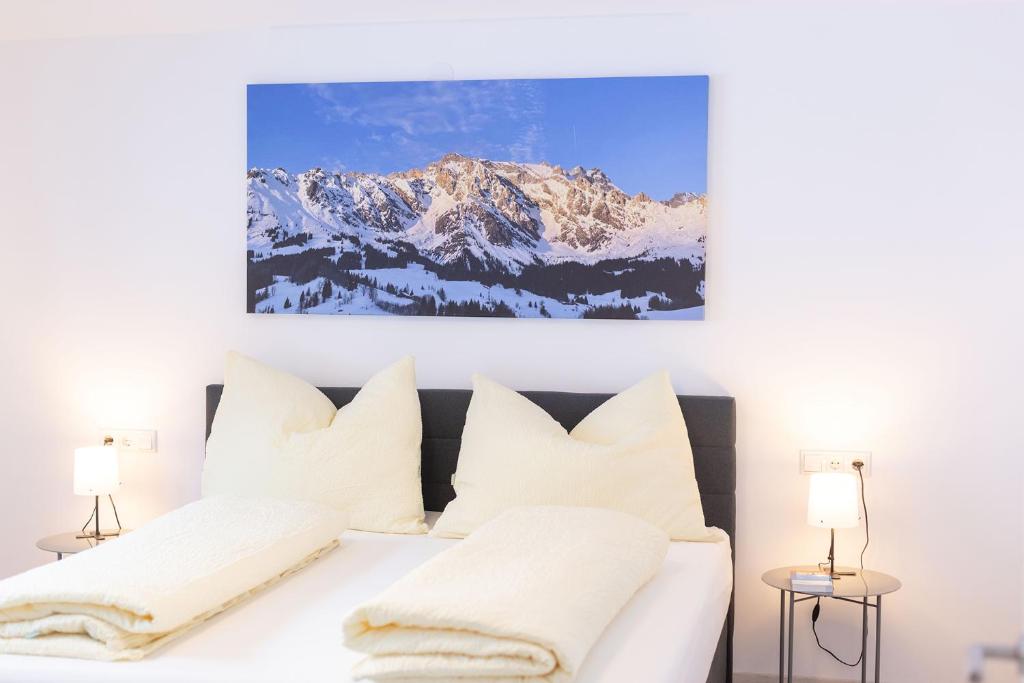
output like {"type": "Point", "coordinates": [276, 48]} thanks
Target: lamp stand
{"type": "Point", "coordinates": [98, 535]}
{"type": "Point", "coordinates": [832, 558]}
{"type": "Point", "coordinates": [832, 549]}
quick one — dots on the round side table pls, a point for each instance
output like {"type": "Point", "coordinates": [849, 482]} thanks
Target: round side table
{"type": "Point", "coordinates": [68, 544]}
{"type": "Point", "coordinates": [856, 589]}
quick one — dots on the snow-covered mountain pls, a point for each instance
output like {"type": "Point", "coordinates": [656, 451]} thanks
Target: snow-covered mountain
{"type": "Point", "coordinates": [466, 236]}
{"type": "Point", "coordinates": [477, 214]}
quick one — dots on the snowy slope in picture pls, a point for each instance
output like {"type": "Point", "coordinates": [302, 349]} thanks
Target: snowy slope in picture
{"type": "Point", "coordinates": [561, 198]}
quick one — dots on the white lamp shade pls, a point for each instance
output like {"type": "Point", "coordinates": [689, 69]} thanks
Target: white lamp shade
{"type": "Point", "coordinates": [832, 501]}
{"type": "Point", "coordinates": [96, 471]}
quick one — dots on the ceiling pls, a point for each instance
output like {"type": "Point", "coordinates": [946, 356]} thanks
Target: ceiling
{"type": "Point", "coordinates": [48, 19]}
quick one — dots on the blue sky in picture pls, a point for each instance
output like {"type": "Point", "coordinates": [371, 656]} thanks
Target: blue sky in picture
{"type": "Point", "coordinates": [648, 134]}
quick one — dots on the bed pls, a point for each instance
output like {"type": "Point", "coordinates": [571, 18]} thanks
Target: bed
{"type": "Point", "coordinates": [677, 628]}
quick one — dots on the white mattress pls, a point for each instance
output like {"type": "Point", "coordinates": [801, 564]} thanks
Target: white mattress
{"type": "Point", "coordinates": [292, 632]}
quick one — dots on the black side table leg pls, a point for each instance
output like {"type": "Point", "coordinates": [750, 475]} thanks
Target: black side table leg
{"type": "Point", "coordinates": [878, 637]}
{"type": "Point", "coordinates": [864, 643]}
{"type": "Point", "coordinates": [789, 664]}
{"type": "Point", "coordinates": [60, 556]}
{"type": "Point", "coordinates": [782, 633]}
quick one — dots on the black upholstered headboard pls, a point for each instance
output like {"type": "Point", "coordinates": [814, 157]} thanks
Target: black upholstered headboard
{"type": "Point", "coordinates": [710, 421]}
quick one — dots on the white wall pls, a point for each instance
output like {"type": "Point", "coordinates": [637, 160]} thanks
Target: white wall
{"type": "Point", "coordinates": [865, 180]}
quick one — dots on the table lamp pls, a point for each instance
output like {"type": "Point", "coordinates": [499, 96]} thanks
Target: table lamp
{"type": "Point", "coordinates": [832, 504]}
{"type": "Point", "coordinates": [97, 474]}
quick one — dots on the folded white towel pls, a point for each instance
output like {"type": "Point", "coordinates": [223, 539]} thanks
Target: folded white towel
{"type": "Point", "coordinates": [130, 595]}
{"type": "Point", "coordinates": [525, 596]}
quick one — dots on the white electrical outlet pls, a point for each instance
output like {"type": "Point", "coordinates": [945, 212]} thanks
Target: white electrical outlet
{"type": "Point", "coordinates": [834, 461]}
{"type": "Point", "coordinates": [134, 440]}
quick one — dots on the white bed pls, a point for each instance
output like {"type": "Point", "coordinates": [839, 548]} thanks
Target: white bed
{"type": "Point", "coordinates": [292, 631]}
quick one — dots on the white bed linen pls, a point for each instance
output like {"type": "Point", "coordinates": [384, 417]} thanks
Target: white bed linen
{"type": "Point", "coordinates": [523, 599]}
{"type": "Point", "coordinates": [292, 631]}
{"type": "Point", "coordinates": [131, 595]}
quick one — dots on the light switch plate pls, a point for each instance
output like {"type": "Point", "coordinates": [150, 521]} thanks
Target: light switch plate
{"type": "Point", "coordinates": [834, 461]}
{"type": "Point", "coordinates": [133, 440]}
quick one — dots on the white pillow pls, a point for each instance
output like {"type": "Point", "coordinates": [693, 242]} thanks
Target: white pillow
{"type": "Point", "coordinates": [630, 454]}
{"type": "Point", "coordinates": [275, 435]}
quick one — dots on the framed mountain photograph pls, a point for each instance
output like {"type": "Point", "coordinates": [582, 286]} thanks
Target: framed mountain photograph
{"type": "Point", "coordinates": [555, 198]}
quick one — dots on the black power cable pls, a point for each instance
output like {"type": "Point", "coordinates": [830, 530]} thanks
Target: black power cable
{"type": "Point", "coordinates": [859, 466]}
{"type": "Point", "coordinates": [816, 612]}
{"type": "Point", "coordinates": [814, 628]}
{"type": "Point", "coordinates": [116, 518]}
{"type": "Point", "coordinates": [119, 528]}
{"type": "Point", "coordinates": [88, 521]}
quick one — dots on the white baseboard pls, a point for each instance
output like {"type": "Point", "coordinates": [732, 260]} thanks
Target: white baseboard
{"type": "Point", "coordinates": [771, 678]}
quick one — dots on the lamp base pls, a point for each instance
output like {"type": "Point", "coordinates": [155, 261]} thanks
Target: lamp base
{"type": "Point", "coordinates": [838, 575]}
{"type": "Point", "coordinates": [830, 566]}
{"type": "Point", "coordinates": [101, 535]}
{"type": "Point", "coordinates": [96, 534]}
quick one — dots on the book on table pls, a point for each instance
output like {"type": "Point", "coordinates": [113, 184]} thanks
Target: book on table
{"type": "Point", "coordinates": [810, 582]}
